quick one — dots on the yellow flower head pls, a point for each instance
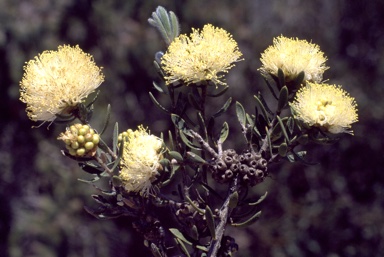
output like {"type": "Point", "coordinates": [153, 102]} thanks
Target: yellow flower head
{"type": "Point", "coordinates": [57, 81]}
{"type": "Point", "coordinates": [293, 56]}
{"type": "Point", "coordinates": [325, 106]}
{"type": "Point", "coordinates": [203, 56]}
{"type": "Point", "coordinates": [140, 159]}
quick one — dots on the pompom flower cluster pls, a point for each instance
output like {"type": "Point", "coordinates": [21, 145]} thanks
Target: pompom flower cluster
{"type": "Point", "coordinates": [293, 56]}
{"type": "Point", "coordinates": [55, 82]}
{"type": "Point", "coordinates": [326, 106]}
{"type": "Point", "coordinates": [203, 56]}
{"type": "Point", "coordinates": [140, 160]}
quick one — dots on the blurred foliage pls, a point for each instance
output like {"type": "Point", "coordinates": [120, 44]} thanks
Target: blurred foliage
{"type": "Point", "coordinates": [334, 208]}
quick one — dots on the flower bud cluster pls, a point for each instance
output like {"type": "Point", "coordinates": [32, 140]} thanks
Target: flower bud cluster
{"type": "Point", "coordinates": [80, 140]}
{"type": "Point", "coordinates": [250, 167]}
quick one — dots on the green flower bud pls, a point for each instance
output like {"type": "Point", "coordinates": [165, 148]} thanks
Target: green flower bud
{"type": "Point", "coordinates": [95, 139]}
{"type": "Point", "coordinates": [83, 131]}
{"type": "Point", "coordinates": [81, 139]}
{"type": "Point", "coordinates": [73, 129]}
{"type": "Point", "coordinates": [89, 145]}
{"type": "Point", "coordinates": [87, 128]}
{"type": "Point", "coordinates": [75, 145]}
{"type": "Point", "coordinates": [88, 137]}
{"type": "Point", "coordinates": [80, 152]}
{"type": "Point", "coordinates": [78, 126]}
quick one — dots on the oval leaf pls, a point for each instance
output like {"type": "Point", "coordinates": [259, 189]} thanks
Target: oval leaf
{"type": "Point", "coordinates": [224, 133]}
{"type": "Point", "coordinates": [210, 222]}
{"type": "Point", "coordinates": [283, 99]}
{"type": "Point", "coordinates": [223, 109]}
{"type": "Point", "coordinates": [195, 158]}
{"type": "Point", "coordinates": [248, 222]}
{"type": "Point", "coordinates": [179, 235]}
{"type": "Point", "coordinates": [260, 199]}
{"type": "Point", "coordinates": [233, 200]}
{"type": "Point", "coordinates": [240, 112]}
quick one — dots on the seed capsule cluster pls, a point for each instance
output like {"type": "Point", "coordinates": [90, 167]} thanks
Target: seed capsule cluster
{"type": "Point", "coordinates": [80, 140]}
{"type": "Point", "coordinates": [249, 166]}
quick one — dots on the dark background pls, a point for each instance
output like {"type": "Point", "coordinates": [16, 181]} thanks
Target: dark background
{"type": "Point", "coordinates": [332, 209]}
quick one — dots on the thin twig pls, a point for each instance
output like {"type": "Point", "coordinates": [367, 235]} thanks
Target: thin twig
{"type": "Point", "coordinates": [204, 144]}
{"type": "Point", "coordinates": [265, 144]}
{"type": "Point", "coordinates": [224, 214]}
{"type": "Point", "coordinates": [103, 165]}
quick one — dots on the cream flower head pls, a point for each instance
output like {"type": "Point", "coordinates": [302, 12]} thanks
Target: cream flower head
{"type": "Point", "coordinates": [325, 106]}
{"type": "Point", "coordinates": [55, 82]}
{"type": "Point", "coordinates": [202, 56]}
{"type": "Point", "coordinates": [140, 160]}
{"type": "Point", "coordinates": [293, 56]}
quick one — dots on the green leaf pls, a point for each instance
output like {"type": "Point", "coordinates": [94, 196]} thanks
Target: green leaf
{"type": "Point", "coordinates": [283, 99]}
{"type": "Point", "coordinates": [176, 155]}
{"type": "Point", "coordinates": [91, 168]}
{"type": "Point", "coordinates": [175, 24]}
{"type": "Point", "coordinates": [224, 108]}
{"type": "Point", "coordinates": [283, 128]}
{"type": "Point", "coordinates": [179, 235]}
{"type": "Point", "coordinates": [187, 142]}
{"type": "Point", "coordinates": [116, 181]}
{"type": "Point", "coordinates": [299, 156]}
{"type": "Point", "coordinates": [106, 121]}
{"type": "Point", "coordinates": [270, 88]}
{"type": "Point", "coordinates": [281, 77]}
{"type": "Point", "coordinates": [233, 200]}
{"type": "Point", "coordinates": [157, 87]}
{"type": "Point", "coordinates": [175, 167]}
{"type": "Point", "coordinates": [269, 141]}
{"type": "Point", "coordinates": [283, 149]}
{"type": "Point", "coordinates": [117, 161]}
{"type": "Point", "coordinates": [240, 112]}
{"type": "Point", "coordinates": [250, 120]}
{"type": "Point", "coordinates": [298, 80]}
{"type": "Point", "coordinates": [195, 158]}
{"type": "Point", "coordinates": [64, 119]}
{"type": "Point", "coordinates": [203, 128]}
{"type": "Point", "coordinates": [262, 108]}
{"type": "Point", "coordinates": [172, 145]}
{"type": "Point", "coordinates": [291, 125]}
{"type": "Point", "coordinates": [93, 180]}
{"type": "Point", "coordinates": [219, 93]}
{"type": "Point", "coordinates": [166, 24]}
{"type": "Point", "coordinates": [194, 233]}
{"type": "Point", "coordinates": [224, 133]}
{"type": "Point", "coordinates": [303, 139]}
{"type": "Point", "coordinates": [155, 250]}
{"type": "Point", "coordinates": [260, 199]}
{"type": "Point", "coordinates": [210, 222]}
{"type": "Point", "coordinates": [158, 104]}
{"type": "Point", "coordinates": [180, 124]}
{"type": "Point", "coordinates": [202, 248]}
{"type": "Point", "coordinates": [189, 200]}
{"type": "Point", "coordinates": [182, 247]}
{"type": "Point", "coordinates": [248, 222]}
{"type": "Point", "coordinates": [115, 139]}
